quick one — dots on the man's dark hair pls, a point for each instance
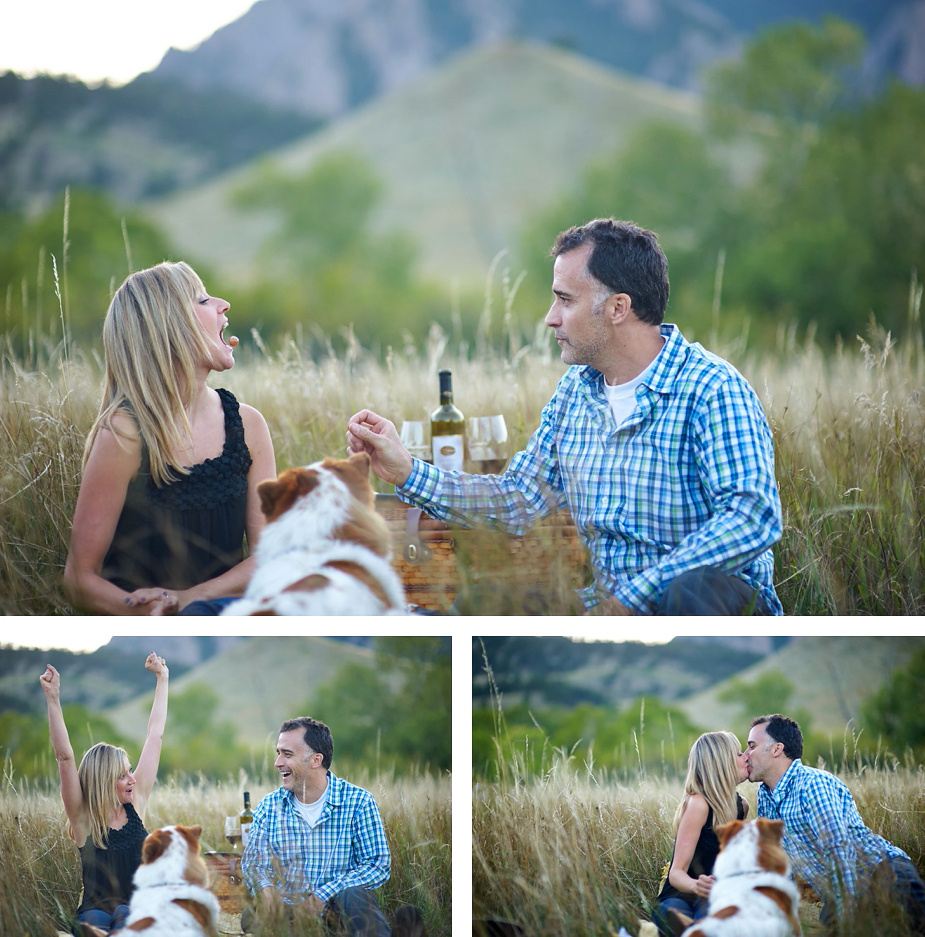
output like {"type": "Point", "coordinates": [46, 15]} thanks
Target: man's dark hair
{"type": "Point", "coordinates": [784, 730]}
{"type": "Point", "coordinates": [317, 736]}
{"type": "Point", "coordinates": [625, 259]}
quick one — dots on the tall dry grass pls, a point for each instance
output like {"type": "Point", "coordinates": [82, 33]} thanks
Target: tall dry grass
{"type": "Point", "coordinates": [580, 852]}
{"type": "Point", "coordinates": [849, 427]}
{"type": "Point", "coordinates": [40, 866]}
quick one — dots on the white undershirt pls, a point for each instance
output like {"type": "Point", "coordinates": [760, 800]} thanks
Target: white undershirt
{"type": "Point", "coordinates": [311, 812]}
{"type": "Point", "coordinates": [622, 397]}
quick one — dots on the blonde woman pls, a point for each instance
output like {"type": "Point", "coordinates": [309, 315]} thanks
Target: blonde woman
{"type": "Point", "coordinates": [715, 767]}
{"type": "Point", "coordinates": [171, 465]}
{"type": "Point", "coordinates": [105, 803]}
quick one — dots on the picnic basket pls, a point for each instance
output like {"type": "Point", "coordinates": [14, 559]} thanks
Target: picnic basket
{"type": "Point", "coordinates": [436, 562]}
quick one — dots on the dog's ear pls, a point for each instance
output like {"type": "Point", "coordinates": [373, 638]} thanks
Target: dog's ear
{"type": "Point", "coordinates": [191, 833]}
{"type": "Point", "coordinates": [277, 494]}
{"type": "Point", "coordinates": [771, 829]}
{"type": "Point", "coordinates": [725, 832]}
{"type": "Point", "coordinates": [361, 461]}
{"type": "Point", "coordinates": [354, 472]}
{"type": "Point", "coordinates": [155, 845]}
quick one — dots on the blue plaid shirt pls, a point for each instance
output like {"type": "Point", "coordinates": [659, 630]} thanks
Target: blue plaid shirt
{"type": "Point", "coordinates": [687, 480]}
{"type": "Point", "coordinates": [824, 834]}
{"type": "Point", "coordinates": [347, 846]}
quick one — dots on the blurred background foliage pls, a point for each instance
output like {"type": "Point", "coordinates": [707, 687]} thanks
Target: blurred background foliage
{"type": "Point", "coordinates": [818, 220]}
{"type": "Point", "coordinates": [391, 715]}
{"type": "Point", "coordinates": [654, 735]}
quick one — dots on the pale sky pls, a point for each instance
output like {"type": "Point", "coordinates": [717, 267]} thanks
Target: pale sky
{"type": "Point", "coordinates": [98, 39]}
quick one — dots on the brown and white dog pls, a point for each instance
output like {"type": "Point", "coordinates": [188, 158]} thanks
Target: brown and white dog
{"type": "Point", "coordinates": [324, 550]}
{"type": "Point", "coordinates": [753, 894]}
{"type": "Point", "coordinates": [171, 896]}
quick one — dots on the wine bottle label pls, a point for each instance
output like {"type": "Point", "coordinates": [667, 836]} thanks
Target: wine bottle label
{"type": "Point", "coordinates": [448, 453]}
{"type": "Point", "coordinates": [245, 834]}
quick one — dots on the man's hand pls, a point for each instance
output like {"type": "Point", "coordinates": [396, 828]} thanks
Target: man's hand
{"type": "Point", "coordinates": [315, 905]}
{"type": "Point", "coordinates": [375, 435]}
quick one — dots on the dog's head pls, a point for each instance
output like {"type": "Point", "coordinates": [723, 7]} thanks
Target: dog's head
{"type": "Point", "coordinates": [173, 854]}
{"type": "Point", "coordinates": [332, 497]}
{"type": "Point", "coordinates": [278, 495]}
{"type": "Point", "coordinates": [757, 842]}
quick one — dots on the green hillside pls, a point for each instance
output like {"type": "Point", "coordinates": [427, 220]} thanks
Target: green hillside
{"type": "Point", "coordinates": [831, 678]}
{"type": "Point", "coordinates": [259, 681]}
{"type": "Point", "coordinates": [466, 153]}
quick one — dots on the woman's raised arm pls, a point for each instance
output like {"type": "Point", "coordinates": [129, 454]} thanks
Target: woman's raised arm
{"type": "Point", "coordinates": [146, 769]}
{"type": "Point", "coordinates": [71, 793]}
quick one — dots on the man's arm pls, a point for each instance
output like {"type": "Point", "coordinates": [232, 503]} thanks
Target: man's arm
{"type": "Point", "coordinates": [371, 848]}
{"type": "Point", "coordinates": [825, 804]}
{"type": "Point", "coordinates": [735, 464]}
{"type": "Point", "coordinates": [529, 489]}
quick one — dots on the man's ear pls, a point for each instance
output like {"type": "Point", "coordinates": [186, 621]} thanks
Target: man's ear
{"type": "Point", "coordinates": [619, 307]}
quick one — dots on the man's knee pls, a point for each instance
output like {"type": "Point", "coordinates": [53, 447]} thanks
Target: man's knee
{"type": "Point", "coordinates": [356, 911]}
{"type": "Point", "coordinates": [709, 591]}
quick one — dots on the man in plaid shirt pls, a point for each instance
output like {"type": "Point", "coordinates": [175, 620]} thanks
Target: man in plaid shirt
{"type": "Point", "coordinates": [660, 450]}
{"type": "Point", "coordinates": [318, 843]}
{"type": "Point", "coordinates": [827, 841]}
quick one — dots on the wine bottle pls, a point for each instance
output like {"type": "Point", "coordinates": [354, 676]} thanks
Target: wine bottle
{"type": "Point", "coordinates": [447, 427]}
{"type": "Point", "coordinates": [247, 818]}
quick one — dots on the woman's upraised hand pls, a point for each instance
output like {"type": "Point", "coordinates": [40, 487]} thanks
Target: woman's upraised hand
{"type": "Point", "coordinates": [51, 682]}
{"type": "Point", "coordinates": [156, 665]}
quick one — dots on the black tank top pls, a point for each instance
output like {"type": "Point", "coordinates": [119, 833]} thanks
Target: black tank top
{"type": "Point", "coordinates": [191, 530]}
{"type": "Point", "coordinates": [705, 853]}
{"type": "Point", "coordinates": [108, 873]}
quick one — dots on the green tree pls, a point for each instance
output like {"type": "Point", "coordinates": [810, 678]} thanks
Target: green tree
{"type": "Point", "coordinates": [769, 692]}
{"type": "Point", "coordinates": [26, 746]}
{"type": "Point", "coordinates": [324, 265]}
{"type": "Point", "coordinates": [896, 712]}
{"type": "Point", "coordinates": [850, 234]}
{"type": "Point", "coordinates": [91, 262]}
{"type": "Point", "coordinates": [199, 741]}
{"type": "Point", "coordinates": [666, 178]}
{"type": "Point", "coordinates": [396, 711]}
{"type": "Point", "coordinates": [795, 73]}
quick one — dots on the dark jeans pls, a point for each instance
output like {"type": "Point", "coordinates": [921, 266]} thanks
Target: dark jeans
{"type": "Point", "coordinates": [354, 911]}
{"type": "Point", "coordinates": [695, 909]}
{"type": "Point", "coordinates": [910, 890]}
{"type": "Point", "coordinates": [207, 606]}
{"type": "Point", "coordinates": [104, 919]}
{"type": "Point", "coordinates": [709, 591]}
{"type": "Point", "coordinates": [703, 591]}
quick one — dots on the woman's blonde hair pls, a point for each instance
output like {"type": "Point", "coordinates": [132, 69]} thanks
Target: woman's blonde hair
{"type": "Point", "coordinates": [712, 772]}
{"type": "Point", "coordinates": [152, 342]}
{"type": "Point", "coordinates": [99, 770]}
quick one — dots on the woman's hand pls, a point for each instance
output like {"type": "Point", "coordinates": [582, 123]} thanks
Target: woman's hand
{"type": "Point", "coordinates": [156, 665]}
{"type": "Point", "coordinates": [51, 683]}
{"type": "Point", "coordinates": [154, 601]}
{"type": "Point", "coordinates": [702, 885]}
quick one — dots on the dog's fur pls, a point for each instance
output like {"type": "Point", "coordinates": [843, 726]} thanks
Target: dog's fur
{"type": "Point", "coordinates": [753, 894]}
{"type": "Point", "coordinates": [171, 897]}
{"type": "Point", "coordinates": [324, 550]}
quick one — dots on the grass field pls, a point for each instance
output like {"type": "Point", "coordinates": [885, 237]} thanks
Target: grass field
{"type": "Point", "coordinates": [576, 851]}
{"type": "Point", "coordinates": [40, 866]}
{"type": "Point", "coordinates": [849, 427]}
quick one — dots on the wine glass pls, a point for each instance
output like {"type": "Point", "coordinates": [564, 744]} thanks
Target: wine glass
{"type": "Point", "coordinates": [486, 437]}
{"type": "Point", "coordinates": [233, 831]}
{"type": "Point", "coordinates": [413, 439]}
